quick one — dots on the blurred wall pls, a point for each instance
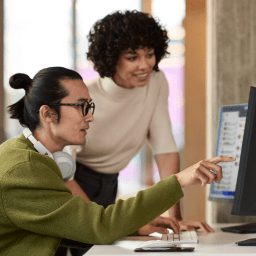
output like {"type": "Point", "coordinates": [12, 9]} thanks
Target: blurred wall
{"type": "Point", "coordinates": [231, 52]}
{"type": "Point", "coordinates": [1, 74]}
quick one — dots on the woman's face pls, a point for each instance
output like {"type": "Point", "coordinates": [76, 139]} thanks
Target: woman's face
{"type": "Point", "coordinates": [134, 67]}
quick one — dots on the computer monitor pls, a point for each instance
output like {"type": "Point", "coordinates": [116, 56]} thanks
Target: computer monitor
{"type": "Point", "coordinates": [245, 192]}
{"type": "Point", "coordinates": [237, 137]}
{"type": "Point", "coordinates": [229, 143]}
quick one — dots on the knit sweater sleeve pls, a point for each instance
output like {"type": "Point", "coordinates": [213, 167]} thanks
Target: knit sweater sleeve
{"type": "Point", "coordinates": [160, 135]}
{"type": "Point", "coordinates": [36, 200]}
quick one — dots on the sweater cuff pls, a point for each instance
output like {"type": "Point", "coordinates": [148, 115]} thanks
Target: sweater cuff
{"type": "Point", "coordinates": [175, 186]}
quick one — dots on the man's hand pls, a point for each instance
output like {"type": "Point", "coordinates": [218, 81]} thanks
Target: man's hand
{"type": "Point", "coordinates": [160, 225]}
{"type": "Point", "coordinates": [204, 172]}
{"type": "Point", "coordinates": [194, 225]}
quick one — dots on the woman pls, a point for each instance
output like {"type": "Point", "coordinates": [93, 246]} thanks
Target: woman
{"type": "Point", "coordinates": [132, 98]}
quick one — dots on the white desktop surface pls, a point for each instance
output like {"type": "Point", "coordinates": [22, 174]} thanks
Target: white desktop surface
{"type": "Point", "coordinates": [219, 243]}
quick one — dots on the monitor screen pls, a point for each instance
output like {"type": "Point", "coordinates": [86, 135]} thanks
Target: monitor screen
{"type": "Point", "coordinates": [229, 143]}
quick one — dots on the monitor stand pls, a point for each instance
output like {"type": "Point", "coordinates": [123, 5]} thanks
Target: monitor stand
{"type": "Point", "coordinates": [241, 229]}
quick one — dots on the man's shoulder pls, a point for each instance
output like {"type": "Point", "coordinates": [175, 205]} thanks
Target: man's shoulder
{"type": "Point", "coordinates": [17, 156]}
{"type": "Point", "coordinates": [13, 151]}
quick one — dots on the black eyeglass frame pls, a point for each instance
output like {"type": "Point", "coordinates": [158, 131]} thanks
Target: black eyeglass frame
{"type": "Point", "coordinates": [90, 106]}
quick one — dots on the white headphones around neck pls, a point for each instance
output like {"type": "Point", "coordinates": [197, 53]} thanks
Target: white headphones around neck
{"type": "Point", "coordinates": [63, 160]}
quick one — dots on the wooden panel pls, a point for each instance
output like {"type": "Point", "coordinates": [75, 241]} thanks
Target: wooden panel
{"type": "Point", "coordinates": [146, 6]}
{"type": "Point", "coordinates": [195, 108]}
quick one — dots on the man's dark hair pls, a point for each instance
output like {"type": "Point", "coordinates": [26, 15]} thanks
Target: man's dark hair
{"type": "Point", "coordinates": [43, 89]}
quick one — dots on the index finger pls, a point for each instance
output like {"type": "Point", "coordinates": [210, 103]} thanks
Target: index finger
{"type": "Point", "coordinates": [219, 159]}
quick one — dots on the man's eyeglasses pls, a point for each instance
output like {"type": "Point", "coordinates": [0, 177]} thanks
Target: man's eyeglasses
{"type": "Point", "coordinates": [86, 106]}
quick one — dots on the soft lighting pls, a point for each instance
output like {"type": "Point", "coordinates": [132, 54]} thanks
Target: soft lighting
{"type": "Point", "coordinates": [176, 33]}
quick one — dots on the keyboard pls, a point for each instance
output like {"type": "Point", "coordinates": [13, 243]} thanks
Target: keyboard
{"type": "Point", "coordinates": [184, 237]}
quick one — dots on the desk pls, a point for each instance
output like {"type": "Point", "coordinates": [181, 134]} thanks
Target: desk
{"type": "Point", "coordinates": [219, 243]}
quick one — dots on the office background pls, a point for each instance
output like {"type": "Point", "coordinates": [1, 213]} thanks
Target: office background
{"type": "Point", "coordinates": [220, 67]}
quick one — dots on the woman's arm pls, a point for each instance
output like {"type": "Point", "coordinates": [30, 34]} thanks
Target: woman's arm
{"type": "Point", "coordinates": [168, 164]}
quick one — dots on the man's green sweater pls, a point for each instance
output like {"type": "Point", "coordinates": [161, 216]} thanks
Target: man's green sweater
{"type": "Point", "coordinates": [38, 212]}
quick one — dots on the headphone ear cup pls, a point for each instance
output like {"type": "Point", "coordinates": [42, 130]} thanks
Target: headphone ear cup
{"type": "Point", "coordinates": [66, 164]}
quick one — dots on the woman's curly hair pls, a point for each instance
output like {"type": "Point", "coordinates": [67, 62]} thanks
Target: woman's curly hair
{"type": "Point", "coordinates": [118, 32]}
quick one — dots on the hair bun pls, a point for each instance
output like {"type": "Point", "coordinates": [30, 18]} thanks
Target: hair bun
{"type": "Point", "coordinates": [20, 81]}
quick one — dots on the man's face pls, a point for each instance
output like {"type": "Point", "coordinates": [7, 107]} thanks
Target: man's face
{"type": "Point", "coordinates": [72, 126]}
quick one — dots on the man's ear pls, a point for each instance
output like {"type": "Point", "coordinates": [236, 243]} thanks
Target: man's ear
{"type": "Point", "coordinates": [47, 114]}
